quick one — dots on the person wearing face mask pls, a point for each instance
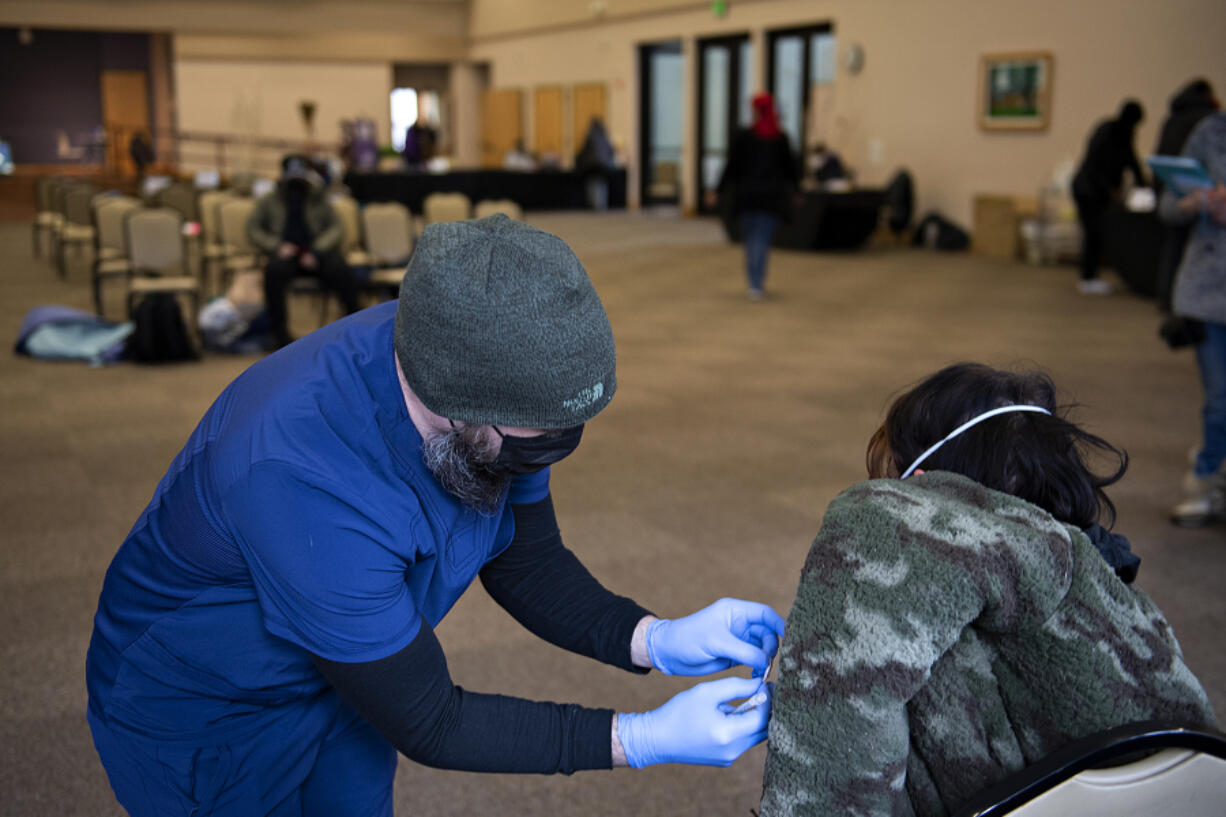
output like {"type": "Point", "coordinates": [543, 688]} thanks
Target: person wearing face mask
{"type": "Point", "coordinates": [264, 641]}
{"type": "Point", "coordinates": [301, 234]}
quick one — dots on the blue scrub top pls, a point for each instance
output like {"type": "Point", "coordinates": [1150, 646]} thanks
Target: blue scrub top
{"type": "Point", "coordinates": [298, 519]}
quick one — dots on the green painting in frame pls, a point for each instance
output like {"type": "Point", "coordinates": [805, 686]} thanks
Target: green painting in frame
{"type": "Point", "coordinates": [1015, 90]}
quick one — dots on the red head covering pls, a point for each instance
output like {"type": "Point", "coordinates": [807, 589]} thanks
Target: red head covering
{"type": "Point", "coordinates": [765, 119]}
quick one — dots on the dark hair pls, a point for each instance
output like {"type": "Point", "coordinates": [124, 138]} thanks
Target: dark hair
{"type": "Point", "coordinates": [1036, 457]}
{"type": "Point", "coordinates": [1131, 112]}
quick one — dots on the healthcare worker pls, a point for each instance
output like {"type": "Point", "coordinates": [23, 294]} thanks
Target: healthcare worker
{"type": "Point", "coordinates": [264, 641]}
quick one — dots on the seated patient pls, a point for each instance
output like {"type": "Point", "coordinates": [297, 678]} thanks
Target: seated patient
{"type": "Point", "coordinates": [965, 615]}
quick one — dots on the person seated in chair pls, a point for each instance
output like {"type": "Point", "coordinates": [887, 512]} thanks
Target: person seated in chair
{"type": "Point", "coordinates": [296, 226]}
{"type": "Point", "coordinates": [963, 613]}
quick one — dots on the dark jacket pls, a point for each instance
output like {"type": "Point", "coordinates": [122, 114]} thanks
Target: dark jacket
{"type": "Point", "coordinates": [596, 155]}
{"type": "Point", "coordinates": [267, 223]}
{"type": "Point", "coordinates": [1188, 107]}
{"type": "Point", "coordinates": [1108, 154]}
{"type": "Point", "coordinates": [760, 174]}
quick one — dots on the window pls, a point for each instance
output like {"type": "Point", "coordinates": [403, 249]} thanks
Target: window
{"type": "Point", "coordinates": [404, 114]}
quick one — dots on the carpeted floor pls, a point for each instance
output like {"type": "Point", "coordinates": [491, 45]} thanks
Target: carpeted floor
{"type": "Point", "coordinates": [733, 426]}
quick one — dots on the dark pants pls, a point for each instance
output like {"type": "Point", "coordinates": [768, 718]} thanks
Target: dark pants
{"type": "Point", "coordinates": [757, 231]}
{"type": "Point", "coordinates": [1174, 239]}
{"type": "Point", "coordinates": [1090, 212]}
{"type": "Point", "coordinates": [312, 766]}
{"type": "Point", "coordinates": [332, 273]}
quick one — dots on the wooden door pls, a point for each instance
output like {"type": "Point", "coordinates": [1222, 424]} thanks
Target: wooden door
{"type": "Point", "coordinates": [547, 122]}
{"type": "Point", "coordinates": [502, 126]}
{"type": "Point", "coordinates": [125, 112]}
{"type": "Point", "coordinates": [588, 102]}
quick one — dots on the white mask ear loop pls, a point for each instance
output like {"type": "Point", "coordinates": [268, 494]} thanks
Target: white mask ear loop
{"type": "Point", "coordinates": [965, 426]}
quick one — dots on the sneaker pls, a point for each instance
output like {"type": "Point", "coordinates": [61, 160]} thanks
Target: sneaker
{"type": "Point", "coordinates": [756, 294]}
{"type": "Point", "coordinates": [1204, 503]}
{"type": "Point", "coordinates": [1094, 286]}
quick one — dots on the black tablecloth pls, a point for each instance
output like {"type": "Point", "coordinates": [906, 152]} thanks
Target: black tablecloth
{"type": "Point", "coordinates": [1132, 244]}
{"type": "Point", "coordinates": [531, 191]}
{"type": "Point", "coordinates": [824, 221]}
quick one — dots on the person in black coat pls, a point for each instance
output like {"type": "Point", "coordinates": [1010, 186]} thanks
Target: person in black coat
{"type": "Point", "coordinates": [760, 181]}
{"type": "Point", "coordinates": [1097, 183]}
{"type": "Point", "coordinates": [1188, 107]}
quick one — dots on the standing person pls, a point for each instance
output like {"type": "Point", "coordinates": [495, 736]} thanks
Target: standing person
{"type": "Point", "coordinates": [1188, 107]}
{"type": "Point", "coordinates": [296, 226]}
{"type": "Point", "coordinates": [1097, 183]}
{"type": "Point", "coordinates": [264, 641]}
{"type": "Point", "coordinates": [1200, 294]}
{"type": "Point", "coordinates": [141, 152]}
{"type": "Point", "coordinates": [761, 179]}
{"type": "Point", "coordinates": [593, 162]}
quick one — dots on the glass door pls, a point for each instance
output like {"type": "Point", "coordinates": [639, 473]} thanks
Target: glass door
{"type": "Point", "coordinates": [724, 69]}
{"type": "Point", "coordinates": [801, 61]}
{"type": "Point", "coordinates": [660, 93]}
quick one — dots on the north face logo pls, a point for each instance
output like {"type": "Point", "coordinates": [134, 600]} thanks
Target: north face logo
{"type": "Point", "coordinates": [584, 398]}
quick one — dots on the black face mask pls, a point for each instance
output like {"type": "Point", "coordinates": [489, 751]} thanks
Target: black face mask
{"type": "Point", "coordinates": [527, 455]}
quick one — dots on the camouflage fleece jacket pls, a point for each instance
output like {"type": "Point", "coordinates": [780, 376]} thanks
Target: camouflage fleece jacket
{"type": "Point", "coordinates": [944, 636]}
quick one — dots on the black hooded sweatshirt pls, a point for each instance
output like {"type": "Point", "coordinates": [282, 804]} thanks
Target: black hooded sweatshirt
{"type": "Point", "coordinates": [1189, 106]}
{"type": "Point", "coordinates": [1108, 154]}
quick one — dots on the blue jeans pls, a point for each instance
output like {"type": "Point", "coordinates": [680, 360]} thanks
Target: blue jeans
{"type": "Point", "coordinates": [757, 230]}
{"type": "Point", "coordinates": [1211, 356]}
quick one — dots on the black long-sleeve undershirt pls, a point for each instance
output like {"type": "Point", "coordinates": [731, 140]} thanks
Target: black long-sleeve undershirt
{"type": "Point", "coordinates": [410, 698]}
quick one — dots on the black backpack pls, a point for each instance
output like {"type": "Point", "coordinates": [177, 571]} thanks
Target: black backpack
{"type": "Point", "coordinates": [161, 334]}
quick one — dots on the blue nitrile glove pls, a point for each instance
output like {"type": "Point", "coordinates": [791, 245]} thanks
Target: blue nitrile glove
{"type": "Point", "coordinates": [697, 726]}
{"type": "Point", "coordinates": [727, 633]}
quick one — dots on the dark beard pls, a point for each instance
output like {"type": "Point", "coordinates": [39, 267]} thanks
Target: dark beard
{"type": "Point", "coordinates": [460, 459]}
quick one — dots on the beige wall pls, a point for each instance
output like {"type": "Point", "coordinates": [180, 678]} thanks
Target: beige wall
{"type": "Point", "coordinates": [261, 98]}
{"type": "Point", "coordinates": [915, 99]}
{"type": "Point", "coordinates": [401, 30]}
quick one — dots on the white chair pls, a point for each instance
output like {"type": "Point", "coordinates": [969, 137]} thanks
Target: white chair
{"type": "Point", "coordinates": [346, 209]}
{"type": "Point", "coordinates": [158, 256]}
{"type": "Point", "coordinates": [388, 228]}
{"type": "Point", "coordinates": [1185, 778]}
{"type": "Point", "coordinates": [488, 207]}
{"type": "Point", "coordinates": [446, 207]}
{"type": "Point", "coordinates": [111, 245]}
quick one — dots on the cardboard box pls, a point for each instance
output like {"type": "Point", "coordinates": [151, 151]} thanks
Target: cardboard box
{"type": "Point", "coordinates": [998, 219]}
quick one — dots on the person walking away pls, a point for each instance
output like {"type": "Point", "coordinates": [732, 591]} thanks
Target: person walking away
{"type": "Point", "coordinates": [760, 180]}
{"type": "Point", "coordinates": [296, 226]}
{"type": "Point", "coordinates": [1200, 294]}
{"type": "Point", "coordinates": [1097, 184]}
{"type": "Point", "coordinates": [1188, 107]}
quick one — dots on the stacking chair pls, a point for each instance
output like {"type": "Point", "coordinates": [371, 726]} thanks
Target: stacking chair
{"type": "Point", "coordinates": [446, 207]}
{"type": "Point", "coordinates": [111, 243]}
{"type": "Point", "coordinates": [346, 209]}
{"type": "Point", "coordinates": [1182, 775]}
{"type": "Point", "coordinates": [180, 196]}
{"type": "Point", "coordinates": [47, 220]}
{"type": "Point", "coordinates": [212, 251]}
{"type": "Point", "coordinates": [77, 226]}
{"type": "Point", "coordinates": [489, 207]}
{"type": "Point", "coordinates": [388, 228]}
{"type": "Point", "coordinates": [155, 248]}
{"type": "Point", "coordinates": [240, 253]}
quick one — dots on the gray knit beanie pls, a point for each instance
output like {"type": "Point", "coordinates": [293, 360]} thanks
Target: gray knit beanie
{"type": "Point", "coordinates": [498, 324]}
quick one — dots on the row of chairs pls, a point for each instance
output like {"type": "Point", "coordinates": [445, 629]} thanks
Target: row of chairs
{"type": "Point", "coordinates": [186, 231]}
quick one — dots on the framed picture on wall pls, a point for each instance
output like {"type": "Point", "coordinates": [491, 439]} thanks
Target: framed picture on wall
{"type": "Point", "coordinates": [1015, 90]}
